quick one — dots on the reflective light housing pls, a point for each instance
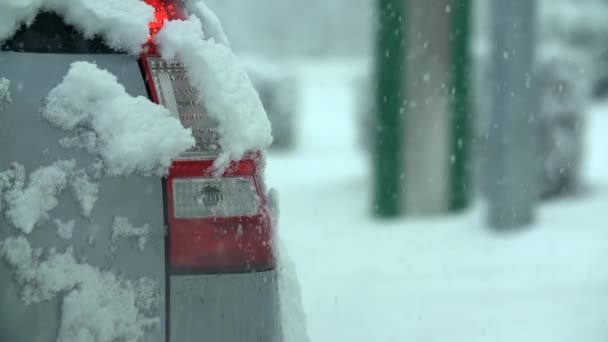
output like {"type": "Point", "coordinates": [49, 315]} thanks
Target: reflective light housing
{"type": "Point", "coordinates": [169, 86]}
{"type": "Point", "coordinates": [234, 239]}
{"type": "Point", "coordinates": [215, 224]}
{"type": "Point", "coordinates": [214, 197]}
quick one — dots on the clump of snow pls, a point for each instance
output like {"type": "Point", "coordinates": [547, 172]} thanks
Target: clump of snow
{"type": "Point", "coordinates": [85, 192]}
{"type": "Point", "coordinates": [222, 84]}
{"type": "Point", "coordinates": [122, 228]}
{"type": "Point", "coordinates": [82, 139]}
{"type": "Point", "coordinates": [131, 134]}
{"type": "Point", "coordinates": [18, 252]}
{"type": "Point", "coordinates": [5, 94]}
{"type": "Point", "coordinates": [65, 230]}
{"type": "Point", "coordinates": [8, 179]}
{"type": "Point", "coordinates": [84, 89]}
{"type": "Point", "coordinates": [212, 26]}
{"type": "Point", "coordinates": [147, 293]}
{"type": "Point", "coordinates": [97, 306]}
{"type": "Point", "coordinates": [15, 12]}
{"type": "Point", "coordinates": [28, 205]}
{"type": "Point", "coordinates": [102, 309]}
{"type": "Point", "coordinates": [122, 23]}
{"type": "Point", "coordinates": [96, 169]}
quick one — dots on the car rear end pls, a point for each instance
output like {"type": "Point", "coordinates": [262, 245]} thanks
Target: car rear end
{"type": "Point", "coordinates": [222, 282]}
{"type": "Point", "coordinates": [210, 252]}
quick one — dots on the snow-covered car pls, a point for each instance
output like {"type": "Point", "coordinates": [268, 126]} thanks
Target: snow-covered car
{"type": "Point", "coordinates": [128, 211]}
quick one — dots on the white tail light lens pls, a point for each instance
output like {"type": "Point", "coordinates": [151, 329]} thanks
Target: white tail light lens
{"type": "Point", "coordinates": [214, 197]}
{"type": "Point", "coordinates": [175, 92]}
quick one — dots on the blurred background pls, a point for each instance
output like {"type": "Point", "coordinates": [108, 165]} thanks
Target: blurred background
{"type": "Point", "coordinates": [441, 165]}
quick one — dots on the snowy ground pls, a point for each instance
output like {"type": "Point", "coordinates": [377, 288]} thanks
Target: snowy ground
{"type": "Point", "coordinates": [439, 279]}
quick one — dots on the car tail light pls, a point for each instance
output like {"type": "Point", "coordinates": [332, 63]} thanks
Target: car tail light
{"type": "Point", "coordinates": [168, 85]}
{"type": "Point", "coordinates": [216, 224]}
{"type": "Point", "coordinates": [214, 197]}
{"type": "Point", "coordinates": [164, 10]}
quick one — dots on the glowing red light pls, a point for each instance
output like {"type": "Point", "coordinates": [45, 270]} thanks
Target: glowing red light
{"type": "Point", "coordinates": [163, 10]}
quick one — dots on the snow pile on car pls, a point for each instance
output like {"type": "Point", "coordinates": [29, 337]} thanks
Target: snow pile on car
{"type": "Point", "coordinates": [223, 86]}
{"type": "Point", "coordinates": [85, 192]}
{"type": "Point", "coordinates": [15, 12]}
{"type": "Point", "coordinates": [7, 178]}
{"type": "Point", "coordinates": [27, 205]}
{"type": "Point", "coordinates": [213, 69]}
{"type": "Point", "coordinates": [65, 230]}
{"type": "Point", "coordinates": [122, 23]}
{"type": "Point", "coordinates": [122, 228]}
{"type": "Point", "coordinates": [5, 94]}
{"type": "Point", "coordinates": [212, 26]}
{"type": "Point", "coordinates": [131, 134]}
{"type": "Point", "coordinates": [96, 306]}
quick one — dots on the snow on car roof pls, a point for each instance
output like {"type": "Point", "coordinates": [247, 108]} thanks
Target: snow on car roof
{"type": "Point", "coordinates": [122, 23]}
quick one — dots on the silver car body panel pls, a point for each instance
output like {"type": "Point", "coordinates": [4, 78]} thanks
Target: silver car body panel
{"type": "Point", "coordinates": [26, 138]}
{"type": "Point", "coordinates": [227, 307]}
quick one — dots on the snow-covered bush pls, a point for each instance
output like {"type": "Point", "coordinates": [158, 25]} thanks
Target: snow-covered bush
{"type": "Point", "coordinates": [564, 73]}
{"type": "Point", "coordinates": [564, 95]}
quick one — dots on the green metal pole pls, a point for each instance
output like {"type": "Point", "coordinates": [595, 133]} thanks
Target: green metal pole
{"type": "Point", "coordinates": [390, 62]}
{"type": "Point", "coordinates": [462, 126]}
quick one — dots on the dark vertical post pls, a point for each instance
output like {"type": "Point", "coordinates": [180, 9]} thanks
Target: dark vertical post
{"type": "Point", "coordinates": [462, 122]}
{"type": "Point", "coordinates": [389, 106]}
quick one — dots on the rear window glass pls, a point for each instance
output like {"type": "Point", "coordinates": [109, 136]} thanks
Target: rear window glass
{"type": "Point", "coordinates": [49, 34]}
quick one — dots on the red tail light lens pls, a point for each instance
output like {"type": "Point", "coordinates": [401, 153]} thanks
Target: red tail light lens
{"type": "Point", "coordinates": [217, 225]}
{"type": "Point", "coordinates": [164, 10]}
